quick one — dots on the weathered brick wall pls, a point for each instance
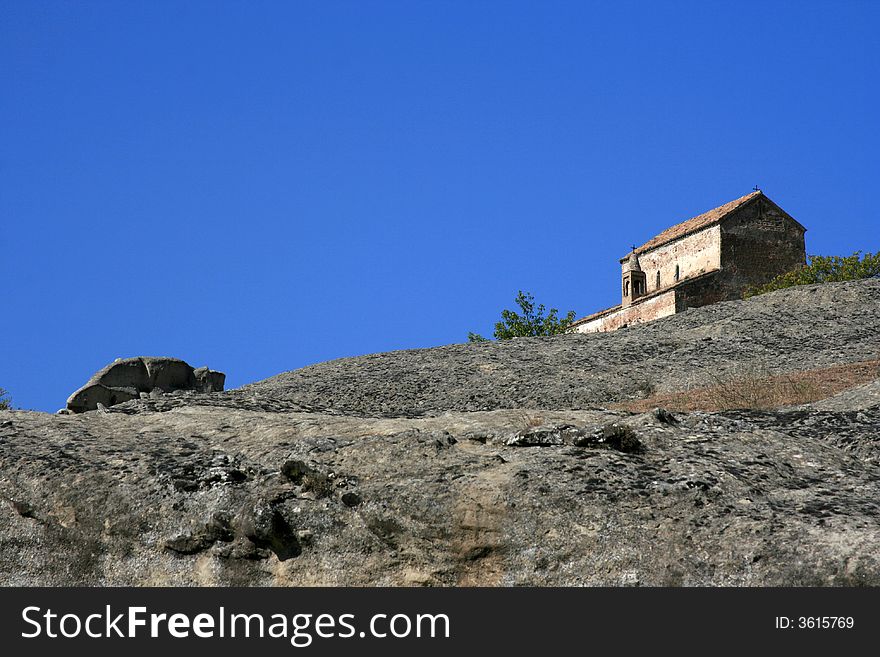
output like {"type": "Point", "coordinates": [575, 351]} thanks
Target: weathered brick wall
{"type": "Point", "coordinates": [758, 243]}
{"type": "Point", "coordinates": [694, 255]}
{"type": "Point", "coordinates": [711, 287]}
{"type": "Point", "coordinates": [661, 305]}
{"type": "Point", "coordinates": [754, 244]}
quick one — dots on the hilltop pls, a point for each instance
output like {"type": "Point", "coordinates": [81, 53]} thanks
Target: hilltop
{"type": "Point", "coordinates": [505, 463]}
{"type": "Point", "coordinates": [792, 330]}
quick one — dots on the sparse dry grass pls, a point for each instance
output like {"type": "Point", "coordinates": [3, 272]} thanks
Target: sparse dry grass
{"type": "Point", "coordinates": [529, 421]}
{"type": "Point", "coordinates": [757, 389]}
{"type": "Point", "coordinates": [318, 483]}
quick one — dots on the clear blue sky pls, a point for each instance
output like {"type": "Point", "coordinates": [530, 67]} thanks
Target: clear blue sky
{"type": "Point", "coordinates": [258, 186]}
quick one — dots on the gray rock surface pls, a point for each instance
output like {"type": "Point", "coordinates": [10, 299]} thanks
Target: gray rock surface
{"type": "Point", "coordinates": [858, 398]}
{"type": "Point", "coordinates": [790, 330]}
{"type": "Point", "coordinates": [132, 378]}
{"type": "Point", "coordinates": [397, 478]}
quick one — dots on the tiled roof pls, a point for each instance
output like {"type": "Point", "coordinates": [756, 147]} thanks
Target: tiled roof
{"type": "Point", "coordinates": [697, 223]}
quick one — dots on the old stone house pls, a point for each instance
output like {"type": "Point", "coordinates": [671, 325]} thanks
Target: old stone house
{"type": "Point", "coordinates": [709, 258]}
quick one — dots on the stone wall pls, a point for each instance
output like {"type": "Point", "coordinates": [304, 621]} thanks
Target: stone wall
{"type": "Point", "coordinates": [646, 310]}
{"type": "Point", "coordinates": [750, 246]}
{"type": "Point", "coordinates": [759, 242]}
{"type": "Point", "coordinates": [694, 255]}
{"type": "Point", "coordinates": [703, 290]}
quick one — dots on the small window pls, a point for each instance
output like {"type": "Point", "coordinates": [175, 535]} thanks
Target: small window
{"type": "Point", "coordinates": [677, 273]}
{"type": "Point", "coordinates": [658, 280]}
{"type": "Point", "coordinates": [626, 289]}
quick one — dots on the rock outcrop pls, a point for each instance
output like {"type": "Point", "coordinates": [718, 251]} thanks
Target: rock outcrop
{"type": "Point", "coordinates": [130, 378]}
{"type": "Point", "coordinates": [487, 464]}
{"type": "Point", "coordinates": [791, 330]}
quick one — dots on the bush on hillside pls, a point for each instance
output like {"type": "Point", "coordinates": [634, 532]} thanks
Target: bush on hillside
{"type": "Point", "coordinates": [823, 269]}
{"type": "Point", "coordinates": [531, 322]}
{"type": "Point", "coordinates": [5, 401]}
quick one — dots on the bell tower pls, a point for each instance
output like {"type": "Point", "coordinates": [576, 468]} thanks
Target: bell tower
{"type": "Point", "coordinates": [635, 281]}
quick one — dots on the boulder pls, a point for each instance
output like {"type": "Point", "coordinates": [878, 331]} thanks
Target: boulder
{"type": "Point", "coordinates": [131, 378]}
{"type": "Point", "coordinates": [208, 380]}
{"type": "Point", "coordinates": [124, 373]}
{"type": "Point", "coordinates": [90, 395]}
{"type": "Point", "coordinates": [170, 374]}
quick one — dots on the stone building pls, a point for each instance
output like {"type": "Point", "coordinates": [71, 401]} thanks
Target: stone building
{"type": "Point", "coordinates": [712, 257]}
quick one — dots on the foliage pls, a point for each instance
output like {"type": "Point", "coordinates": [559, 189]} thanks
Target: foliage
{"type": "Point", "coordinates": [824, 269]}
{"type": "Point", "coordinates": [531, 322]}
{"type": "Point", "coordinates": [5, 401]}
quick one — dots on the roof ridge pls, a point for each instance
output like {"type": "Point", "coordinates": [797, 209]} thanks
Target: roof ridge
{"type": "Point", "coordinates": [696, 223]}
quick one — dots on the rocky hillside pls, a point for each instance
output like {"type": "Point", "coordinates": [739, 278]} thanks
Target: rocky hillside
{"type": "Point", "coordinates": [484, 464]}
{"type": "Point", "coordinates": [796, 329]}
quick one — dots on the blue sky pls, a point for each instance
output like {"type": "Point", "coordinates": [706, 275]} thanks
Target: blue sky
{"type": "Point", "coordinates": [258, 186]}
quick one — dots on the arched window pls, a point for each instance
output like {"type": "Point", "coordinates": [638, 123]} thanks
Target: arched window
{"type": "Point", "coordinates": [677, 273]}
{"type": "Point", "coordinates": [626, 289]}
{"type": "Point", "coordinates": [658, 280]}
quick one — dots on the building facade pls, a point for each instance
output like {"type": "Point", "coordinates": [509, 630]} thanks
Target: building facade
{"type": "Point", "coordinates": [710, 258]}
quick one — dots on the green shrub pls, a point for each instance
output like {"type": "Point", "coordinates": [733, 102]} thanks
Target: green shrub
{"type": "Point", "coordinates": [823, 269]}
{"type": "Point", "coordinates": [5, 401]}
{"type": "Point", "coordinates": [531, 322]}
